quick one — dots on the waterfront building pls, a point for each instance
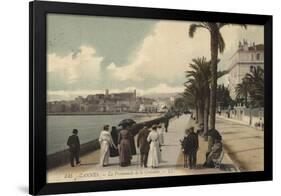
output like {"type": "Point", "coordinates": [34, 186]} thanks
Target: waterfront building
{"type": "Point", "coordinates": [106, 93]}
{"type": "Point", "coordinates": [148, 108]}
{"type": "Point", "coordinates": [242, 61]}
{"type": "Point", "coordinates": [114, 102]}
{"type": "Point", "coordinates": [162, 106]}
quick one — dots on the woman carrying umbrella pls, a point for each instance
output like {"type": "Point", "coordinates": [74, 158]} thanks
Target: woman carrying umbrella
{"type": "Point", "coordinates": [132, 129]}
{"type": "Point", "coordinates": [124, 144]}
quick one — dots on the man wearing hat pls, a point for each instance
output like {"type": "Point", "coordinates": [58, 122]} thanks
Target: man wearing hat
{"type": "Point", "coordinates": [143, 145]}
{"type": "Point", "coordinates": [74, 147]}
{"type": "Point", "coordinates": [190, 146]}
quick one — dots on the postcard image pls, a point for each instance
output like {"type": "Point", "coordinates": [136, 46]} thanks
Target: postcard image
{"type": "Point", "coordinates": [136, 98]}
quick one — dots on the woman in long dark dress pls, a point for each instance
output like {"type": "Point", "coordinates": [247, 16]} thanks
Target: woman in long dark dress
{"type": "Point", "coordinates": [132, 130]}
{"type": "Point", "coordinates": [114, 135]}
{"type": "Point", "coordinates": [124, 146]}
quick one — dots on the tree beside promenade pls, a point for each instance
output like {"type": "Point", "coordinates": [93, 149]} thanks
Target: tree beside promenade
{"type": "Point", "coordinates": [217, 44]}
{"type": "Point", "coordinates": [251, 87]}
{"type": "Point", "coordinates": [224, 100]}
{"type": "Point", "coordinates": [197, 91]}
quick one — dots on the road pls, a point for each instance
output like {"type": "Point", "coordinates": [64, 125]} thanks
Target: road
{"type": "Point", "coordinates": [244, 144]}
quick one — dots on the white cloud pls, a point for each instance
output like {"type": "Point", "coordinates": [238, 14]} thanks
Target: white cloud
{"type": "Point", "coordinates": [168, 50]}
{"type": "Point", "coordinates": [164, 54]}
{"type": "Point", "coordinates": [75, 65]}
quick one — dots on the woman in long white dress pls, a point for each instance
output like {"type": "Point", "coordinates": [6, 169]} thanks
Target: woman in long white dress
{"type": "Point", "coordinates": [105, 141]}
{"type": "Point", "coordinates": [154, 150]}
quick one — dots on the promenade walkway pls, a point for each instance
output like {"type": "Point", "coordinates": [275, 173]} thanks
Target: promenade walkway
{"type": "Point", "coordinates": [244, 144]}
{"type": "Point", "coordinates": [172, 164]}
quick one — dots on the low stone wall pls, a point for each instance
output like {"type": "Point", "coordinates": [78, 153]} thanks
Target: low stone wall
{"type": "Point", "coordinates": [62, 157]}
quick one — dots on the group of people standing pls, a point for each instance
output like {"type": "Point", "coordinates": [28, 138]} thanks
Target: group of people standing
{"type": "Point", "coordinates": [121, 143]}
{"type": "Point", "coordinates": [149, 142]}
{"type": "Point", "coordinates": [190, 146]}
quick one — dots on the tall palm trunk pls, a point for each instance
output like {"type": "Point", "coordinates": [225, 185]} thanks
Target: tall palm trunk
{"type": "Point", "coordinates": [206, 112]}
{"type": "Point", "coordinates": [200, 111]}
{"type": "Point", "coordinates": [196, 115]}
{"type": "Point", "coordinates": [214, 61]}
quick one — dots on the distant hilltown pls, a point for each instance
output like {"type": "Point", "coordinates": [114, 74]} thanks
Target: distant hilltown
{"type": "Point", "coordinates": [111, 102]}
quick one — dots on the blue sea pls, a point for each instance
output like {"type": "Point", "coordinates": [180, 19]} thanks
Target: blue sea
{"type": "Point", "coordinates": [89, 126]}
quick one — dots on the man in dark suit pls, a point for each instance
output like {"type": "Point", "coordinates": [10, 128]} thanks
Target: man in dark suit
{"type": "Point", "coordinates": [143, 145]}
{"type": "Point", "coordinates": [190, 145]}
{"type": "Point", "coordinates": [166, 123]}
{"type": "Point", "coordinates": [74, 147]}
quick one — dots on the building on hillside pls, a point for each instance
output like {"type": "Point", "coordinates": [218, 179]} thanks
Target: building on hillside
{"type": "Point", "coordinates": [242, 61]}
{"type": "Point", "coordinates": [114, 102]}
{"type": "Point", "coordinates": [148, 108]}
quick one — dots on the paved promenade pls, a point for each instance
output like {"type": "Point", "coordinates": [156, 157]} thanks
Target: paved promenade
{"type": "Point", "coordinates": [244, 144]}
{"type": "Point", "coordinates": [172, 164]}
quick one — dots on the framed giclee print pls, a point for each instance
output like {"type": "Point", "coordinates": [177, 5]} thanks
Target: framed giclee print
{"type": "Point", "coordinates": [129, 98]}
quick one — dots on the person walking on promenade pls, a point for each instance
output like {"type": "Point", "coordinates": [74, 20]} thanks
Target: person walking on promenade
{"type": "Point", "coordinates": [74, 147]}
{"type": "Point", "coordinates": [114, 135]}
{"type": "Point", "coordinates": [124, 146]}
{"type": "Point", "coordinates": [133, 132]}
{"type": "Point", "coordinates": [166, 123]}
{"type": "Point", "coordinates": [161, 130]}
{"type": "Point", "coordinates": [154, 156]}
{"type": "Point", "coordinates": [190, 147]}
{"type": "Point", "coordinates": [105, 141]}
{"type": "Point", "coordinates": [143, 145]}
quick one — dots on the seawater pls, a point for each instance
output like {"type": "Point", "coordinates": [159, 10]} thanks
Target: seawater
{"type": "Point", "coordinates": [89, 126]}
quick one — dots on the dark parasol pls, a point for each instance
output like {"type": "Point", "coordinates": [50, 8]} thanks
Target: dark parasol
{"type": "Point", "coordinates": [128, 122]}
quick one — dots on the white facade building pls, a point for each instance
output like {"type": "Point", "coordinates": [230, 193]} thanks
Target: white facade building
{"type": "Point", "coordinates": [242, 61]}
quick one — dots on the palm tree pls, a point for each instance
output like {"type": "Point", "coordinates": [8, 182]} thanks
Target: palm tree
{"type": "Point", "coordinates": [190, 95]}
{"type": "Point", "coordinates": [242, 91]}
{"type": "Point", "coordinates": [194, 88]}
{"type": "Point", "coordinates": [256, 74]}
{"type": "Point", "coordinates": [223, 97]}
{"type": "Point", "coordinates": [257, 94]}
{"type": "Point", "coordinates": [217, 44]}
{"type": "Point", "coordinates": [200, 78]}
{"type": "Point", "coordinates": [202, 73]}
{"type": "Point", "coordinates": [255, 80]}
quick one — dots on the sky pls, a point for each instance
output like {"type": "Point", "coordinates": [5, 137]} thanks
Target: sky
{"type": "Point", "coordinates": [88, 54]}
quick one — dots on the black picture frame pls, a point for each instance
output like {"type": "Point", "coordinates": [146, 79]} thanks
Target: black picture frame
{"type": "Point", "coordinates": [37, 104]}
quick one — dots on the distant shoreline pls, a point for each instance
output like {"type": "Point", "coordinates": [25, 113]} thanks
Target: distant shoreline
{"type": "Point", "coordinates": [94, 113]}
